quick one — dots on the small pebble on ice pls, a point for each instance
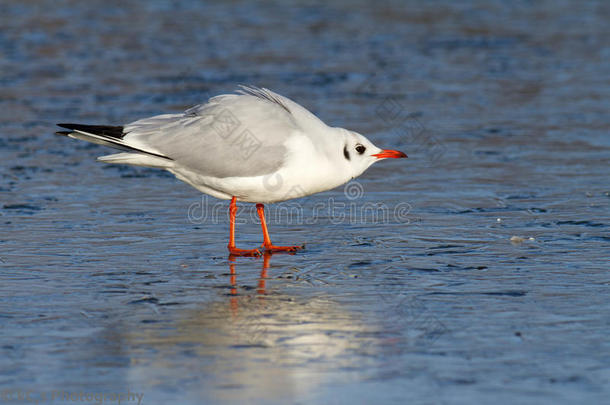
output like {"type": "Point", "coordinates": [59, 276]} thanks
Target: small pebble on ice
{"type": "Point", "coordinates": [519, 239]}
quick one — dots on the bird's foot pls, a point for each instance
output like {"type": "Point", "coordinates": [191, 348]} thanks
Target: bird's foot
{"type": "Point", "coordinates": [287, 249]}
{"type": "Point", "coordinates": [233, 251]}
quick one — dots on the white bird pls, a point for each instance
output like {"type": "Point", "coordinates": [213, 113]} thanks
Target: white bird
{"type": "Point", "coordinates": [254, 146]}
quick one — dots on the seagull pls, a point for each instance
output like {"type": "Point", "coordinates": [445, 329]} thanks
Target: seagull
{"type": "Point", "coordinates": [252, 146]}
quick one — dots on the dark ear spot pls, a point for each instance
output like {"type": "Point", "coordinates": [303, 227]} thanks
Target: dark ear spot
{"type": "Point", "coordinates": [345, 152]}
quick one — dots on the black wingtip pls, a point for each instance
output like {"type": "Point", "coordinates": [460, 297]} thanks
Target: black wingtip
{"type": "Point", "coordinates": [103, 130]}
{"type": "Point", "coordinates": [105, 133]}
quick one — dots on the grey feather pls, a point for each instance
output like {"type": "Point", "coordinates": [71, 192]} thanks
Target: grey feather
{"type": "Point", "coordinates": [264, 94]}
{"type": "Point", "coordinates": [235, 135]}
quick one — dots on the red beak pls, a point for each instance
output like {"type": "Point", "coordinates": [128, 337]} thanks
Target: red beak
{"type": "Point", "coordinates": [388, 153]}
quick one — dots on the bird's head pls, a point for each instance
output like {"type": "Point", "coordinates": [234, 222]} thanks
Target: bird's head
{"type": "Point", "coordinates": [359, 153]}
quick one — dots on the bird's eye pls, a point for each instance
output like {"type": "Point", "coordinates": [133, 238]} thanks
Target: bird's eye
{"type": "Point", "coordinates": [360, 149]}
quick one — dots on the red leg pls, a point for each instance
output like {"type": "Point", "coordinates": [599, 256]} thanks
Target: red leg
{"type": "Point", "coordinates": [232, 249]}
{"type": "Point", "coordinates": [269, 247]}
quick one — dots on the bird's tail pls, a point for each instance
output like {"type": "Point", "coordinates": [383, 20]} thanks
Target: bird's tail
{"type": "Point", "coordinates": [112, 136]}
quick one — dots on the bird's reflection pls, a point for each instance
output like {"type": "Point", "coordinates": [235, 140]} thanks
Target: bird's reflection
{"type": "Point", "coordinates": [225, 343]}
{"type": "Point", "coordinates": [234, 304]}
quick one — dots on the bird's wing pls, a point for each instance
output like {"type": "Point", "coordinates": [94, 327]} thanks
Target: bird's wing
{"type": "Point", "coordinates": [239, 135]}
